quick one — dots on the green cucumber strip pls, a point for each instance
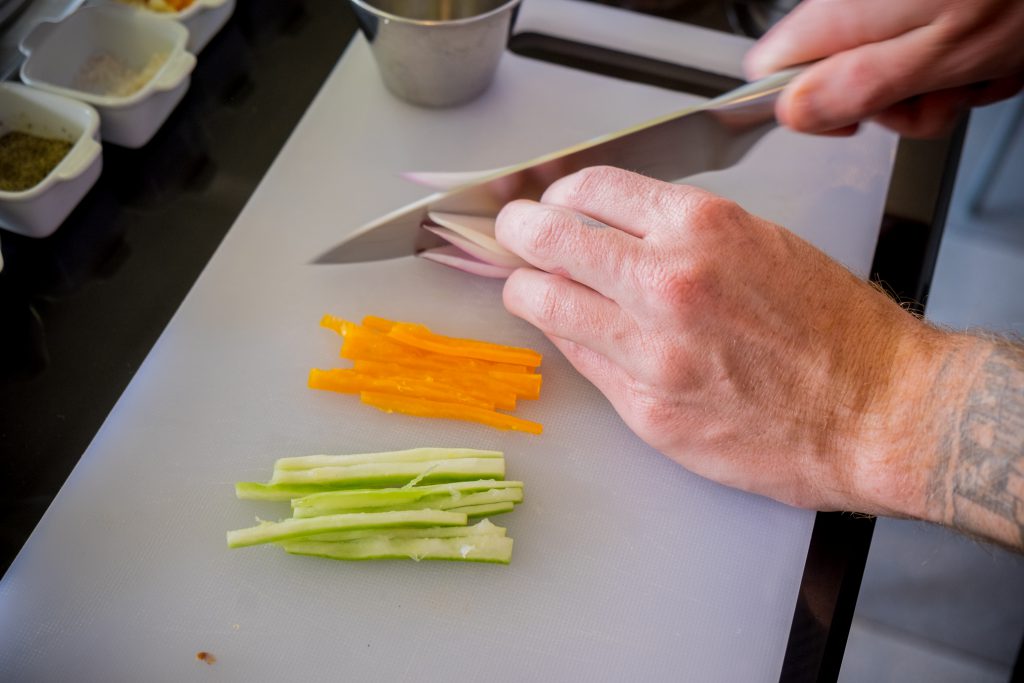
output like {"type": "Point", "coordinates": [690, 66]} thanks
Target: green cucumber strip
{"type": "Point", "coordinates": [307, 462]}
{"type": "Point", "coordinates": [496, 549]}
{"type": "Point", "coordinates": [368, 498]}
{"type": "Point", "coordinates": [270, 532]}
{"type": "Point", "coordinates": [254, 490]}
{"type": "Point", "coordinates": [484, 527]}
{"type": "Point", "coordinates": [436, 502]}
{"type": "Point", "coordinates": [398, 473]}
{"type": "Point", "coordinates": [485, 509]}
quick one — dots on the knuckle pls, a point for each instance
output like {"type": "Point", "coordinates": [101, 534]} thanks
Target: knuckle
{"type": "Point", "coordinates": [549, 234]}
{"type": "Point", "coordinates": [650, 415]}
{"type": "Point", "coordinates": [710, 209]}
{"type": "Point", "coordinates": [585, 187]}
{"type": "Point", "coordinates": [867, 90]}
{"type": "Point", "coordinates": [549, 308]}
{"type": "Point", "coordinates": [676, 285]}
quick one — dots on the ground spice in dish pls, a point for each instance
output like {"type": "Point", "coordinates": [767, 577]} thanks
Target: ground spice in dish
{"type": "Point", "coordinates": [105, 74]}
{"type": "Point", "coordinates": [26, 159]}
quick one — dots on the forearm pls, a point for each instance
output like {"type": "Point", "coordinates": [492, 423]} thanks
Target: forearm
{"type": "Point", "coordinates": [954, 454]}
{"type": "Point", "coordinates": [977, 482]}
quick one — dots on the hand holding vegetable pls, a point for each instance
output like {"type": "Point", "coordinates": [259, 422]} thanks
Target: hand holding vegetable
{"type": "Point", "coordinates": [749, 356]}
{"type": "Point", "coordinates": [913, 65]}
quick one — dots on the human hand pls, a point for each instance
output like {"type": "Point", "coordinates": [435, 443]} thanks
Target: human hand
{"type": "Point", "coordinates": [725, 341]}
{"type": "Point", "coordinates": [912, 65]}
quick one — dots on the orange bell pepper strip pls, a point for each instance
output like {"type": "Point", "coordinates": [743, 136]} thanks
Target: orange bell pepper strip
{"type": "Point", "coordinates": [353, 382]}
{"type": "Point", "coordinates": [378, 324]}
{"type": "Point", "coordinates": [404, 330]}
{"type": "Point", "coordinates": [422, 338]}
{"type": "Point", "coordinates": [476, 383]}
{"type": "Point", "coordinates": [524, 384]}
{"type": "Point", "coordinates": [332, 323]}
{"type": "Point", "coordinates": [391, 403]}
{"type": "Point", "coordinates": [362, 343]}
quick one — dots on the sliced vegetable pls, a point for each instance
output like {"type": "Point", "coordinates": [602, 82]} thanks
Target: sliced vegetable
{"type": "Point", "coordinates": [484, 384]}
{"type": "Point", "coordinates": [496, 549]}
{"type": "Point", "coordinates": [353, 382]}
{"type": "Point", "coordinates": [524, 384]}
{"type": "Point", "coordinates": [391, 403]}
{"type": "Point", "coordinates": [270, 532]}
{"type": "Point", "coordinates": [475, 236]}
{"type": "Point", "coordinates": [471, 246]}
{"type": "Point", "coordinates": [415, 521]}
{"type": "Point", "coordinates": [420, 337]}
{"type": "Point", "coordinates": [485, 509]}
{"type": "Point", "coordinates": [306, 462]}
{"type": "Point", "coordinates": [364, 343]}
{"type": "Point", "coordinates": [449, 501]}
{"type": "Point", "coordinates": [484, 527]}
{"type": "Point", "coordinates": [391, 474]}
{"type": "Point", "coordinates": [337, 501]}
{"type": "Point", "coordinates": [449, 180]}
{"type": "Point", "coordinates": [453, 257]}
{"type": "Point", "coordinates": [404, 367]}
{"type": "Point", "coordinates": [254, 490]}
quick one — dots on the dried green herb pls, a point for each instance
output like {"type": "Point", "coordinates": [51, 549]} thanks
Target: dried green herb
{"type": "Point", "coordinates": [26, 159]}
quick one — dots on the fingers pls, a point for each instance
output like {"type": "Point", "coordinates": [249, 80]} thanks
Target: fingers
{"type": "Point", "coordinates": [570, 244]}
{"type": "Point", "coordinates": [930, 115]}
{"type": "Point", "coordinates": [587, 226]}
{"type": "Point", "coordinates": [819, 28]}
{"type": "Point", "coordinates": [610, 379]}
{"type": "Point", "coordinates": [565, 309]}
{"type": "Point", "coordinates": [935, 114]}
{"type": "Point", "coordinates": [628, 201]}
{"type": "Point", "coordinates": [854, 85]}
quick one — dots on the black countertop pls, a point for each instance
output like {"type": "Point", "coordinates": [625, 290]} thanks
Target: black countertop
{"type": "Point", "coordinates": [80, 310]}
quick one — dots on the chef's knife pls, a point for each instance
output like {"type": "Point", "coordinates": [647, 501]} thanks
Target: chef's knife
{"type": "Point", "coordinates": [713, 135]}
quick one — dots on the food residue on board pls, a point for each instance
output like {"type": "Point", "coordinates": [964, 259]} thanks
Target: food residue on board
{"type": "Point", "coordinates": [204, 656]}
{"type": "Point", "coordinates": [26, 159]}
{"type": "Point", "coordinates": [107, 75]}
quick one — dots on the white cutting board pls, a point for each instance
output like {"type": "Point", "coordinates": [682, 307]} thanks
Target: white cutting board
{"type": "Point", "coordinates": [626, 567]}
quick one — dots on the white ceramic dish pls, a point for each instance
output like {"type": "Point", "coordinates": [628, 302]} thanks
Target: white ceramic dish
{"type": "Point", "coordinates": [39, 210]}
{"type": "Point", "coordinates": [57, 52]}
{"type": "Point", "coordinates": [203, 19]}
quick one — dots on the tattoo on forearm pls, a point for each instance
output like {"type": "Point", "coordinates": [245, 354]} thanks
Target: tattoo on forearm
{"type": "Point", "coordinates": [982, 472]}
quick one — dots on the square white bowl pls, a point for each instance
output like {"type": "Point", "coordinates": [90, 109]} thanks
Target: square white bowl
{"type": "Point", "coordinates": [203, 19]}
{"type": "Point", "coordinates": [57, 51]}
{"type": "Point", "coordinates": [39, 210]}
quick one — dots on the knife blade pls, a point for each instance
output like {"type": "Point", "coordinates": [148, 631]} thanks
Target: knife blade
{"type": "Point", "coordinates": [712, 135]}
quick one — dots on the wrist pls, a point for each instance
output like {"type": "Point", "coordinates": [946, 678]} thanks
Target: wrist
{"type": "Point", "coordinates": [908, 432]}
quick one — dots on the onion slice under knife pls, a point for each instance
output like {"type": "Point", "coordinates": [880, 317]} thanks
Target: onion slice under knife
{"type": "Point", "coordinates": [448, 180]}
{"type": "Point", "coordinates": [454, 257]}
{"type": "Point", "coordinates": [474, 236]}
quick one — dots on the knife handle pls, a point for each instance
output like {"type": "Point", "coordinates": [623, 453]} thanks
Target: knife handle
{"type": "Point", "coordinates": [754, 102]}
